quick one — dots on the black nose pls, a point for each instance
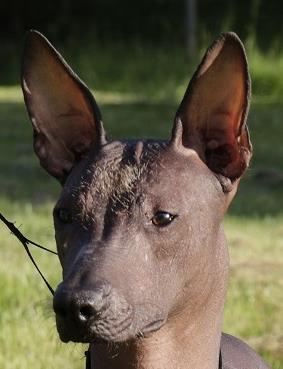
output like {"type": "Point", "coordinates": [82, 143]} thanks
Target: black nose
{"type": "Point", "coordinates": [80, 305]}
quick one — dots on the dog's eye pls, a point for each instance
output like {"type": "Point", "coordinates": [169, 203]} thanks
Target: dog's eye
{"type": "Point", "coordinates": [162, 218]}
{"type": "Point", "coordinates": [64, 215]}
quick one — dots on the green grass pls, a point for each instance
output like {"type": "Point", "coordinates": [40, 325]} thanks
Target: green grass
{"type": "Point", "coordinates": [254, 228]}
{"type": "Point", "coordinates": [142, 71]}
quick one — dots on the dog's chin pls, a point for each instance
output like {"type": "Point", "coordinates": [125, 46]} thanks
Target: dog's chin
{"type": "Point", "coordinates": [91, 335]}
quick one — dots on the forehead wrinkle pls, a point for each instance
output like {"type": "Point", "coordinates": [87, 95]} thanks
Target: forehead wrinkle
{"type": "Point", "coordinates": [117, 176]}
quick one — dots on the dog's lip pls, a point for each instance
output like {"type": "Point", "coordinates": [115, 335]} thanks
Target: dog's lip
{"type": "Point", "coordinates": [143, 333]}
{"type": "Point", "coordinates": [86, 335]}
{"type": "Point", "coordinates": [81, 339]}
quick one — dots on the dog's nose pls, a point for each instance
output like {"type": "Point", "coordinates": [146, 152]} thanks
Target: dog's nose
{"type": "Point", "coordinates": [80, 305]}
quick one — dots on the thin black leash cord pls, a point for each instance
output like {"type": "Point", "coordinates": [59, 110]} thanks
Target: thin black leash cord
{"type": "Point", "coordinates": [25, 242]}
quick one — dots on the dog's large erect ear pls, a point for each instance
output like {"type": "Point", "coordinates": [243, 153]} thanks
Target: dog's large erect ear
{"type": "Point", "coordinates": [212, 116]}
{"type": "Point", "coordinates": [64, 114]}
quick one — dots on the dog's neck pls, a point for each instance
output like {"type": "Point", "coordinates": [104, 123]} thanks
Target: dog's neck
{"type": "Point", "coordinates": [189, 340]}
{"type": "Point", "coordinates": [194, 348]}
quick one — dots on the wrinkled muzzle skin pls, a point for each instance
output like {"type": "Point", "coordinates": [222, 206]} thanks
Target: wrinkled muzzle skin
{"type": "Point", "coordinates": [123, 275]}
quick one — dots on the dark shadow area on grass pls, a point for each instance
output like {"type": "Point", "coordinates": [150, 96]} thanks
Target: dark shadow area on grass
{"type": "Point", "coordinates": [260, 193]}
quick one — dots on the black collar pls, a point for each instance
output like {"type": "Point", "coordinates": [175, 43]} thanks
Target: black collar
{"type": "Point", "coordinates": [220, 360]}
{"type": "Point", "coordinates": [87, 359]}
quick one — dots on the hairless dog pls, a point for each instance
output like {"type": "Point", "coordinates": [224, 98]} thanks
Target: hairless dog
{"type": "Point", "coordinates": [138, 222]}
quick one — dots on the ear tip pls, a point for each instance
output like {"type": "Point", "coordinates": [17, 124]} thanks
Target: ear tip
{"type": "Point", "coordinates": [231, 35]}
{"type": "Point", "coordinates": [35, 44]}
{"type": "Point", "coordinates": [232, 39]}
{"type": "Point", "coordinates": [33, 34]}
{"type": "Point", "coordinates": [231, 44]}
{"type": "Point", "coordinates": [34, 38]}
{"type": "Point", "coordinates": [33, 31]}
{"type": "Point", "coordinates": [228, 44]}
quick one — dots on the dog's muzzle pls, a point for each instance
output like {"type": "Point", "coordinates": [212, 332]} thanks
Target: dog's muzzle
{"type": "Point", "coordinates": [89, 315]}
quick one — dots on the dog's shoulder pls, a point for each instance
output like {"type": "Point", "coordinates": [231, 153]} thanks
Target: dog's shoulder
{"type": "Point", "coordinates": [236, 354]}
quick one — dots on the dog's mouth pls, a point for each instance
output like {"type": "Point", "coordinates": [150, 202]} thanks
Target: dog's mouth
{"type": "Point", "coordinates": [99, 330]}
{"type": "Point", "coordinates": [106, 331]}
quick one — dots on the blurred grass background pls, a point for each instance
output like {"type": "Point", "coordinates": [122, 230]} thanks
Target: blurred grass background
{"type": "Point", "coordinates": [137, 63]}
